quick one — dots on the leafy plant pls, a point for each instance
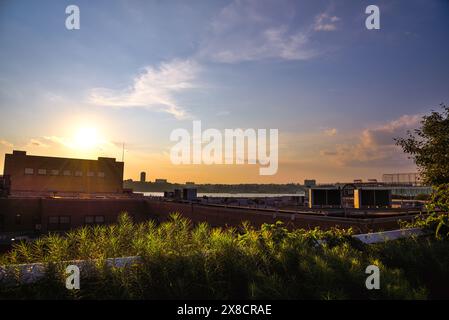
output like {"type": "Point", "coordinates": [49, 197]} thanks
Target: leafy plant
{"type": "Point", "coordinates": [428, 146]}
{"type": "Point", "coordinates": [182, 260]}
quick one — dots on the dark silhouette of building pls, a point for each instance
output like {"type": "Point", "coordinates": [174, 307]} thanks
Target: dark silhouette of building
{"type": "Point", "coordinates": [309, 183]}
{"type": "Point", "coordinates": [143, 176]}
{"type": "Point", "coordinates": [38, 174]}
{"type": "Point", "coordinates": [5, 186]}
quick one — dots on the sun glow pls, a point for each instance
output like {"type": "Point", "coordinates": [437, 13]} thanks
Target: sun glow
{"type": "Point", "coordinates": [87, 138]}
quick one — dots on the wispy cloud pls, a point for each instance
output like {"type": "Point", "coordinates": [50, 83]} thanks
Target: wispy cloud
{"type": "Point", "coordinates": [374, 145]}
{"type": "Point", "coordinates": [251, 30]}
{"type": "Point", "coordinates": [100, 144]}
{"type": "Point", "coordinates": [5, 143]}
{"type": "Point", "coordinates": [154, 89]}
{"type": "Point", "coordinates": [330, 132]}
{"type": "Point", "coordinates": [36, 143]}
{"type": "Point", "coordinates": [325, 22]}
{"type": "Point", "coordinates": [55, 140]}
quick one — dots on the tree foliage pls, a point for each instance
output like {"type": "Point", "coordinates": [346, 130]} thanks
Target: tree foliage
{"type": "Point", "coordinates": [428, 146]}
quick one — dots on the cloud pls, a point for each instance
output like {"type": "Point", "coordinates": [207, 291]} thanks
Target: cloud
{"type": "Point", "coordinates": [55, 140]}
{"type": "Point", "coordinates": [328, 153]}
{"type": "Point", "coordinates": [73, 143]}
{"type": "Point", "coordinates": [330, 132]}
{"type": "Point", "coordinates": [325, 22]}
{"type": "Point", "coordinates": [154, 89]}
{"type": "Point", "coordinates": [375, 146]}
{"type": "Point", "coordinates": [383, 135]}
{"type": "Point", "coordinates": [5, 143]}
{"type": "Point", "coordinates": [36, 143]}
{"type": "Point", "coordinates": [251, 30]}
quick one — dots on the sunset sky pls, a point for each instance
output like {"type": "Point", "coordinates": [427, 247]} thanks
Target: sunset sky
{"type": "Point", "coordinates": [136, 70]}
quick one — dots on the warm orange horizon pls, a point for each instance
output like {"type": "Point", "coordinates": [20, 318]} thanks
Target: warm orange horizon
{"type": "Point", "coordinates": [337, 92]}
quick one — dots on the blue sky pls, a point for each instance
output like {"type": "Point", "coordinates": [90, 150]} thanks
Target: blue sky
{"type": "Point", "coordinates": [136, 70]}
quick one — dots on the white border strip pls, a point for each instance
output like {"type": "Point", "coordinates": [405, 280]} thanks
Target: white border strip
{"type": "Point", "coordinates": [377, 237]}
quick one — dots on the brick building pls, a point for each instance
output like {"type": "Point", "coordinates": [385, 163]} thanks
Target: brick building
{"type": "Point", "coordinates": [28, 173]}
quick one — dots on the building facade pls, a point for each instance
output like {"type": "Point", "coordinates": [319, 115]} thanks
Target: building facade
{"type": "Point", "coordinates": [27, 173]}
{"type": "Point", "coordinates": [4, 186]}
{"type": "Point", "coordinates": [309, 183]}
{"type": "Point", "coordinates": [402, 178]}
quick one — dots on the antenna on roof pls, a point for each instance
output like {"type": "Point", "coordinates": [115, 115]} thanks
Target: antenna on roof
{"type": "Point", "coordinates": [123, 152]}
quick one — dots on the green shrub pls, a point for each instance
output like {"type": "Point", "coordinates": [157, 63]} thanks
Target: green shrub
{"type": "Point", "coordinates": [179, 261]}
{"type": "Point", "coordinates": [422, 197]}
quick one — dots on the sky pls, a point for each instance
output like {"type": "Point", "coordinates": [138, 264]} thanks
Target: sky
{"type": "Point", "coordinates": [337, 92]}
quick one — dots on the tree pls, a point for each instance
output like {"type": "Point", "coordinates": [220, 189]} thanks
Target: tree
{"type": "Point", "coordinates": [428, 146]}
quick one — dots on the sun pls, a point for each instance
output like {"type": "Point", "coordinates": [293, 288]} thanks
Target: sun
{"type": "Point", "coordinates": [87, 138]}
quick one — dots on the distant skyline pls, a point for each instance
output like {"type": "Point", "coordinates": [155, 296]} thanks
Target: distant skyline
{"type": "Point", "coordinates": [136, 70]}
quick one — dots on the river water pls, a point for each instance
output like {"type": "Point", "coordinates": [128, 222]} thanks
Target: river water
{"type": "Point", "coordinates": [231, 195]}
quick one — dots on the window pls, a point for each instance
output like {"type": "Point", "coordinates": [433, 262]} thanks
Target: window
{"type": "Point", "coordinates": [101, 174]}
{"type": "Point", "coordinates": [64, 220]}
{"type": "Point", "coordinates": [42, 172]}
{"type": "Point", "coordinates": [90, 174]}
{"type": "Point", "coordinates": [53, 219]}
{"type": "Point", "coordinates": [78, 173]}
{"type": "Point", "coordinates": [99, 219]}
{"type": "Point", "coordinates": [94, 219]}
{"type": "Point", "coordinates": [58, 222]}
{"type": "Point", "coordinates": [67, 173]}
{"type": "Point", "coordinates": [29, 171]}
{"type": "Point", "coordinates": [55, 172]}
{"type": "Point", "coordinates": [89, 219]}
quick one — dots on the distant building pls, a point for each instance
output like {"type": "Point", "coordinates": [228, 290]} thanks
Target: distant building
{"type": "Point", "coordinates": [310, 183]}
{"type": "Point", "coordinates": [402, 178]}
{"type": "Point", "coordinates": [190, 183]}
{"type": "Point", "coordinates": [29, 173]}
{"type": "Point", "coordinates": [358, 180]}
{"type": "Point", "coordinates": [372, 197]}
{"type": "Point", "coordinates": [177, 194]}
{"type": "Point", "coordinates": [325, 197]}
{"type": "Point", "coordinates": [143, 176]}
{"type": "Point", "coordinates": [160, 181]}
{"type": "Point", "coordinates": [189, 194]}
{"type": "Point", "coordinates": [372, 180]}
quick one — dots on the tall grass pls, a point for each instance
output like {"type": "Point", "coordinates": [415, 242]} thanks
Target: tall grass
{"type": "Point", "coordinates": [182, 261]}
